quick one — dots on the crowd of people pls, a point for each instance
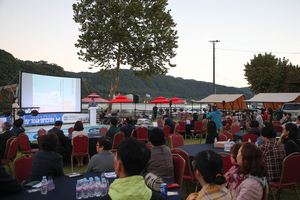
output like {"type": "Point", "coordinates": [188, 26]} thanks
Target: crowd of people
{"type": "Point", "coordinates": [254, 165]}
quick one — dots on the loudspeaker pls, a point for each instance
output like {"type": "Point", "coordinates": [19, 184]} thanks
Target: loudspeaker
{"type": "Point", "coordinates": [135, 98]}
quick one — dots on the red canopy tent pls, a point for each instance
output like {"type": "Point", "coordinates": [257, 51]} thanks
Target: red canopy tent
{"type": "Point", "coordinates": [121, 99]}
{"type": "Point", "coordinates": [96, 97]}
{"type": "Point", "coordinates": [177, 100]}
{"type": "Point", "coordinates": [160, 99]}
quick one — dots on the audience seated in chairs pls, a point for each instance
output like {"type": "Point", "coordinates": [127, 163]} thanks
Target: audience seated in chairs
{"type": "Point", "coordinates": [5, 136]}
{"type": "Point", "coordinates": [251, 180]}
{"type": "Point", "coordinates": [291, 142]}
{"type": "Point", "coordinates": [78, 130]}
{"type": "Point", "coordinates": [46, 162]}
{"type": "Point", "coordinates": [273, 153]}
{"type": "Point", "coordinates": [211, 132]}
{"type": "Point", "coordinates": [7, 183]}
{"type": "Point", "coordinates": [104, 159]}
{"type": "Point", "coordinates": [160, 163]}
{"type": "Point", "coordinates": [208, 169]}
{"type": "Point", "coordinates": [254, 128]}
{"type": "Point", "coordinates": [169, 121]}
{"type": "Point", "coordinates": [233, 172]}
{"type": "Point", "coordinates": [62, 139]}
{"type": "Point", "coordinates": [127, 129]}
{"type": "Point", "coordinates": [113, 130]}
{"type": "Point", "coordinates": [131, 159]}
{"type": "Point", "coordinates": [195, 118]}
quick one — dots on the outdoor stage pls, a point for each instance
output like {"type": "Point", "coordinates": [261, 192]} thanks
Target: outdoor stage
{"type": "Point", "coordinates": [31, 131]}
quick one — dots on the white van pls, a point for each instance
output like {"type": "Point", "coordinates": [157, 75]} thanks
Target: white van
{"type": "Point", "coordinates": [292, 108]}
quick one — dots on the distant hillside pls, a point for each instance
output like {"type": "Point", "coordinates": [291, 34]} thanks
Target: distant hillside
{"type": "Point", "coordinates": [161, 85]}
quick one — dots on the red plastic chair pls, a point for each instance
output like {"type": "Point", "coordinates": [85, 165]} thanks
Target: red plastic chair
{"type": "Point", "coordinates": [250, 136]}
{"type": "Point", "coordinates": [25, 145]}
{"type": "Point", "coordinates": [278, 128]}
{"type": "Point", "coordinates": [176, 129]}
{"type": "Point", "coordinates": [222, 138]}
{"type": "Point", "coordinates": [289, 175]}
{"type": "Point", "coordinates": [159, 123]}
{"type": "Point", "coordinates": [226, 161]}
{"type": "Point", "coordinates": [197, 129]}
{"type": "Point", "coordinates": [235, 129]}
{"type": "Point", "coordinates": [179, 115]}
{"type": "Point", "coordinates": [39, 142]}
{"type": "Point", "coordinates": [179, 164]}
{"type": "Point", "coordinates": [228, 135]}
{"type": "Point", "coordinates": [41, 132]}
{"type": "Point", "coordinates": [142, 134]}
{"type": "Point", "coordinates": [248, 125]}
{"type": "Point", "coordinates": [103, 130]}
{"type": "Point", "coordinates": [80, 148]}
{"type": "Point", "coordinates": [71, 130]}
{"type": "Point", "coordinates": [176, 141]}
{"type": "Point", "coordinates": [166, 130]}
{"type": "Point", "coordinates": [276, 123]}
{"type": "Point", "coordinates": [229, 121]}
{"type": "Point", "coordinates": [182, 128]}
{"type": "Point", "coordinates": [227, 127]}
{"type": "Point", "coordinates": [10, 153]}
{"type": "Point", "coordinates": [22, 167]}
{"type": "Point", "coordinates": [132, 133]}
{"type": "Point", "coordinates": [188, 174]}
{"type": "Point", "coordinates": [117, 139]}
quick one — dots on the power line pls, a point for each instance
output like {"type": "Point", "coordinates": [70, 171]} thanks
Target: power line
{"type": "Point", "coordinates": [231, 80]}
{"type": "Point", "coordinates": [257, 51]}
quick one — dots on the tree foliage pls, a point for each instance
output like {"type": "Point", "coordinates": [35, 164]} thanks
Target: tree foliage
{"type": "Point", "coordinates": [268, 74]}
{"type": "Point", "coordinates": [136, 33]}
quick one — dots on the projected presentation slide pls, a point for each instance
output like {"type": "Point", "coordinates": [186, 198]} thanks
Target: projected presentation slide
{"type": "Point", "coordinates": [50, 93]}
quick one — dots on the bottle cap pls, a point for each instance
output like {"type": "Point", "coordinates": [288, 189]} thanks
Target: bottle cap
{"type": "Point", "coordinates": [103, 179]}
{"type": "Point", "coordinates": [44, 176]}
{"type": "Point", "coordinates": [78, 181]}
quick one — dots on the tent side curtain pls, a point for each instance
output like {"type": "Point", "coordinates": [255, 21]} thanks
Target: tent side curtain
{"type": "Point", "coordinates": [272, 100]}
{"type": "Point", "coordinates": [232, 101]}
{"type": "Point", "coordinates": [237, 104]}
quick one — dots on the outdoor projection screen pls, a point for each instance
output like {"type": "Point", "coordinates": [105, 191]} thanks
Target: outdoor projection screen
{"type": "Point", "coordinates": [52, 94]}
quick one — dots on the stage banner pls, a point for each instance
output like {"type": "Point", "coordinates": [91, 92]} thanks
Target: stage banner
{"type": "Point", "coordinates": [40, 119]}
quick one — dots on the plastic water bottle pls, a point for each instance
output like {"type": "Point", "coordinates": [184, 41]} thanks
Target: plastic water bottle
{"type": "Point", "coordinates": [85, 189]}
{"type": "Point", "coordinates": [97, 187]}
{"type": "Point", "coordinates": [44, 189]}
{"type": "Point", "coordinates": [107, 185]}
{"type": "Point", "coordinates": [225, 146]}
{"type": "Point", "coordinates": [216, 140]}
{"type": "Point", "coordinates": [103, 187]}
{"type": "Point", "coordinates": [91, 187]}
{"type": "Point", "coordinates": [50, 183]}
{"type": "Point", "coordinates": [249, 140]}
{"type": "Point", "coordinates": [78, 190]}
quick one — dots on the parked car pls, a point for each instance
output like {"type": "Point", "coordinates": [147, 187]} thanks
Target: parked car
{"type": "Point", "coordinates": [292, 108]}
{"type": "Point", "coordinates": [196, 110]}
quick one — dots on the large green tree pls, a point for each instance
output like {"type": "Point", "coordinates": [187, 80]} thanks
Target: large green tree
{"type": "Point", "coordinates": [266, 74]}
{"type": "Point", "coordinates": [139, 34]}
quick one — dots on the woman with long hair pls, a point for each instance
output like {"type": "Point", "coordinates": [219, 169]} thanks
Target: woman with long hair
{"type": "Point", "coordinates": [208, 169]}
{"type": "Point", "coordinates": [291, 142]}
{"type": "Point", "coordinates": [211, 132]}
{"type": "Point", "coordinates": [251, 180]}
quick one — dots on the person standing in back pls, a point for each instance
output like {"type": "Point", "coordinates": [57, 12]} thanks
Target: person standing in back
{"type": "Point", "coordinates": [154, 111]}
{"type": "Point", "coordinates": [216, 116]}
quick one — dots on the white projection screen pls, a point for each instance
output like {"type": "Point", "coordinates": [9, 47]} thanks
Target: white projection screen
{"type": "Point", "coordinates": [52, 94]}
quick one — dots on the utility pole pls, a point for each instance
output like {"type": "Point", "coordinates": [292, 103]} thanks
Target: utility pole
{"type": "Point", "coordinates": [214, 73]}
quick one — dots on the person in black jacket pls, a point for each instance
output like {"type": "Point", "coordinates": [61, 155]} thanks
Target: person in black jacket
{"type": "Point", "coordinates": [169, 121]}
{"type": "Point", "coordinates": [127, 129]}
{"type": "Point", "coordinates": [61, 148]}
{"type": "Point", "coordinates": [46, 162]}
{"type": "Point", "coordinates": [211, 132]}
{"type": "Point", "coordinates": [131, 159]}
{"type": "Point", "coordinates": [5, 136]}
{"type": "Point", "coordinates": [7, 183]}
{"type": "Point", "coordinates": [291, 143]}
{"type": "Point", "coordinates": [20, 129]}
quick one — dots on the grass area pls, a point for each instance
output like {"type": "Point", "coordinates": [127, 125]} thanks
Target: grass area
{"type": "Point", "coordinates": [187, 186]}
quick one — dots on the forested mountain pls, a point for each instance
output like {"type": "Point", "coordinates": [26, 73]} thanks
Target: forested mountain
{"type": "Point", "coordinates": [161, 85]}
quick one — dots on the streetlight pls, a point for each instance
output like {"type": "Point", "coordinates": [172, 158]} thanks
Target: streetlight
{"type": "Point", "coordinates": [214, 82]}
